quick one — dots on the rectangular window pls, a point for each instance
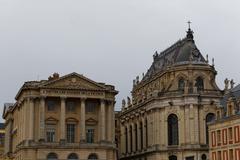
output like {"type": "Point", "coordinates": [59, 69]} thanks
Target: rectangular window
{"type": "Point", "coordinates": [213, 139]}
{"type": "Point", "coordinates": [50, 133]}
{"type": "Point", "coordinates": [70, 133]}
{"type": "Point", "coordinates": [225, 155]}
{"type": "Point", "coordinates": [224, 136]}
{"type": "Point", "coordinates": [219, 137]}
{"type": "Point", "coordinates": [230, 134]}
{"type": "Point", "coordinates": [214, 156]}
{"type": "Point", "coordinates": [237, 134]}
{"type": "Point", "coordinates": [2, 139]}
{"type": "Point", "coordinates": [90, 135]}
{"type": "Point", "coordinates": [71, 106]}
{"type": "Point", "coordinates": [230, 154]}
{"type": "Point", "coordinates": [91, 106]}
{"type": "Point", "coordinates": [51, 105]}
{"type": "Point", "coordinates": [219, 156]}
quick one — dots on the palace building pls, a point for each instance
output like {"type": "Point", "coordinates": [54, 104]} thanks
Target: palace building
{"type": "Point", "coordinates": [167, 116]}
{"type": "Point", "coordinates": [66, 118]}
{"type": "Point", "coordinates": [225, 130]}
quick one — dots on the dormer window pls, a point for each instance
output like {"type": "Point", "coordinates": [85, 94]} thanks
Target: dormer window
{"type": "Point", "coordinates": [230, 110]}
{"type": "Point", "coordinates": [199, 84]}
{"type": "Point", "coordinates": [181, 84]}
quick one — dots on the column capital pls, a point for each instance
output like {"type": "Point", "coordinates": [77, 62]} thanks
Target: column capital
{"type": "Point", "coordinates": [42, 97]}
{"type": "Point", "coordinates": [83, 99]}
{"type": "Point", "coordinates": [63, 98]}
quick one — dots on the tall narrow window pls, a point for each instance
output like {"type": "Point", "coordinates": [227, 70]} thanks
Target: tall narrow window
{"type": "Point", "coordinates": [50, 132]}
{"type": "Point", "coordinates": [172, 130]}
{"type": "Point", "coordinates": [209, 118]}
{"type": "Point", "coordinates": [126, 139]}
{"type": "Point", "coordinates": [199, 84]}
{"type": "Point", "coordinates": [181, 84]}
{"type": "Point", "coordinates": [70, 133]}
{"type": "Point", "coordinates": [141, 133]}
{"type": "Point", "coordinates": [131, 140]}
{"type": "Point", "coordinates": [136, 136]}
{"type": "Point", "coordinates": [146, 130]}
{"type": "Point", "coordinates": [90, 135]}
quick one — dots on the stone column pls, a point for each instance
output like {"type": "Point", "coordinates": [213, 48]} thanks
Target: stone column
{"type": "Point", "coordinates": [102, 121]}
{"type": "Point", "coordinates": [42, 119]}
{"type": "Point", "coordinates": [82, 121]}
{"type": "Point", "coordinates": [31, 118]}
{"type": "Point", "coordinates": [113, 122]}
{"type": "Point", "coordinates": [62, 120]}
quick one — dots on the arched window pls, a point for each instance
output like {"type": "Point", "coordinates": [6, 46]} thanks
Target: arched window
{"type": "Point", "coordinates": [146, 131]}
{"type": "Point", "coordinates": [126, 139]}
{"type": "Point", "coordinates": [199, 84]}
{"type": "Point", "coordinates": [141, 134]}
{"type": "Point", "coordinates": [136, 136]}
{"type": "Point", "coordinates": [172, 129]}
{"type": "Point", "coordinates": [92, 156]}
{"type": "Point", "coordinates": [72, 156]}
{"type": "Point", "coordinates": [172, 157]}
{"type": "Point", "coordinates": [181, 84]}
{"type": "Point", "coordinates": [52, 156]}
{"type": "Point", "coordinates": [204, 157]}
{"type": "Point", "coordinates": [131, 139]}
{"type": "Point", "coordinates": [209, 118]}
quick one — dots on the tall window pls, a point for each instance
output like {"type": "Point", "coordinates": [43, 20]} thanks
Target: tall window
{"type": "Point", "coordinates": [92, 157]}
{"type": "Point", "coordinates": [209, 118]}
{"type": "Point", "coordinates": [52, 156]}
{"type": "Point", "coordinates": [181, 84]}
{"type": "Point", "coordinates": [141, 133]}
{"type": "Point", "coordinates": [146, 131]}
{"type": "Point", "coordinates": [199, 84]}
{"type": "Point", "coordinates": [70, 133]}
{"type": "Point", "coordinates": [72, 156]}
{"type": "Point", "coordinates": [50, 133]}
{"type": "Point", "coordinates": [136, 136]}
{"type": "Point", "coordinates": [131, 139]}
{"type": "Point", "coordinates": [90, 135]}
{"type": "Point", "coordinates": [126, 139]}
{"type": "Point", "coordinates": [172, 130]}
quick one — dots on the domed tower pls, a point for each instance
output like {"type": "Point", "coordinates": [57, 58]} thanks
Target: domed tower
{"type": "Point", "coordinates": [170, 106]}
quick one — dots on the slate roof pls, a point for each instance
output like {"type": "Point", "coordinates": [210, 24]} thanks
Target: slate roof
{"type": "Point", "coordinates": [183, 51]}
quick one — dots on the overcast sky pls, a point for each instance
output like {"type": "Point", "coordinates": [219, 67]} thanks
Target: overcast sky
{"type": "Point", "coordinates": [109, 41]}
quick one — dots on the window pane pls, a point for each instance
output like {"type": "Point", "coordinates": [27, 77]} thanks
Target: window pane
{"type": "Point", "coordinates": [70, 133]}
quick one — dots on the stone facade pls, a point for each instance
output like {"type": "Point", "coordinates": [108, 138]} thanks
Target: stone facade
{"type": "Point", "coordinates": [166, 119]}
{"type": "Point", "coordinates": [224, 132]}
{"type": "Point", "coordinates": [69, 117]}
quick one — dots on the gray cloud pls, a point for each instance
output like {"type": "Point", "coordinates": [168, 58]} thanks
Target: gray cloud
{"type": "Point", "coordinates": [110, 41]}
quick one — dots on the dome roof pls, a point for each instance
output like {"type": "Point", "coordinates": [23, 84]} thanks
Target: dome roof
{"type": "Point", "coordinates": [182, 52]}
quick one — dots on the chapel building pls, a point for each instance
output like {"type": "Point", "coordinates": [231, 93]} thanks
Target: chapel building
{"type": "Point", "coordinates": [62, 118]}
{"type": "Point", "coordinates": [167, 117]}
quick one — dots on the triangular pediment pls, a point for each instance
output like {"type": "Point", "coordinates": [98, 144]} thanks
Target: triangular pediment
{"type": "Point", "coordinates": [73, 81]}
